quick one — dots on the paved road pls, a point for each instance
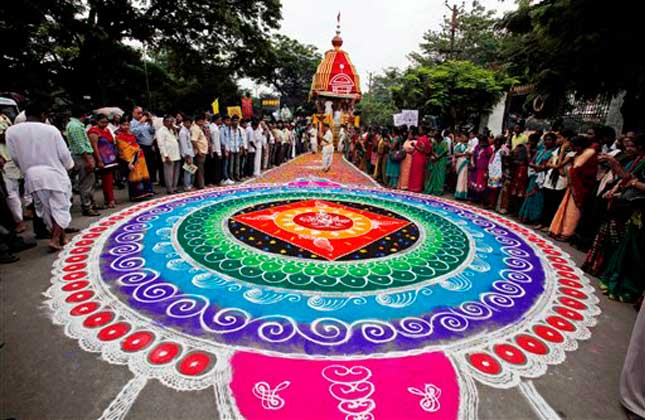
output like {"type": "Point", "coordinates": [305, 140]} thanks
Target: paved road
{"type": "Point", "coordinates": [44, 374]}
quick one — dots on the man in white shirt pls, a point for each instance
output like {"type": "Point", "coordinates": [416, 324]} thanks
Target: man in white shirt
{"type": "Point", "coordinates": [278, 134]}
{"type": "Point", "coordinates": [251, 148]}
{"type": "Point", "coordinates": [259, 140]}
{"type": "Point", "coordinates": [244, 146]}
{"type": "Point", "coordinates": [236, 140]}
{"type": "Point", "coordinates": [214, 158]}
{"type": "Point", "coordinates": [268, 145]}
{"type": "Point", "coordinates": [186, 150]}
{"type": "Point", "coordinates": [225, 141]}
{"type": "Point", "coordinates": [40, 152]}
{"type": "Point", "coordinates": [170, 155]}
{"type": "Point", "coordinates": [327, 141]}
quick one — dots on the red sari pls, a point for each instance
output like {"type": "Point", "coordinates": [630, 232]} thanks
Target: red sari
{"type": "Point", "coordinates": [419, 163]}
{"type": "Point", "coordinates": [107, 153]}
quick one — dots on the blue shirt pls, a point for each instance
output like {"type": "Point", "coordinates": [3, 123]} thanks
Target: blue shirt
{"type": "Point", "coordinates": [235, 139]}
{"type": "Point", "coordinates": [144, 132]}
{"type": "Point", "coordinates": [185, 143]}
{"type": "Point", "coordinates": [225, 137]}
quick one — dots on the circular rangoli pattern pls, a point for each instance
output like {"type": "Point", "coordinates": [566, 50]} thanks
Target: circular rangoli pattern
{"type": "Point", "coordinates": [323, 272]}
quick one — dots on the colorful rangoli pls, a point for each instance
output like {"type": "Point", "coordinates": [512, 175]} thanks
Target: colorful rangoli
{"type": "Point", "coordinates": [316, 300]}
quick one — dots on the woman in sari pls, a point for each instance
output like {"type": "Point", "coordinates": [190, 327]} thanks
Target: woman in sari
{"type": "Point", "coordinates": [624, 278]}
{"type": "Point", "coordinates": [393, 166]}
{"type": "Point", "coordinates": [520, 178]}
{"type": "Point", "coordinates": [369, 147]}
{"type": "Point", "coordinates": [555, 182]}
{"type": "Point", "coordinates": [102, 141]}
{"type": "Point", "coordinates": [479, 166]}
{"type": "Point", "coordinates": [360, 154]}
{"type": "Point", "coordinates": [615, 217]}
{"type": "Point", "coordinates": [495, 172]}
{"type": "Point", "coordinates": [531, 210]}
{"type": "Point", "coordinates": [422, 153]}
{"type": "Point", "coordinates": [461, 158]}
{"type": "Point", "coordinates": [381, 153]}
{"type": "Point", "coordinates": [406, 164]}
{"type": "Point", "coordinates": [581, 178]}
{"type": "Point", "coordinates": [139, 185]}
{"type": "Point", "coordinates": [437, 167]}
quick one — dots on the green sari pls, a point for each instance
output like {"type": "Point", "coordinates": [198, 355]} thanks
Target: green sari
{"type": "Point", "coordinates": [437, 170]}
{"type": "Point", "coordinates": [624, 278]}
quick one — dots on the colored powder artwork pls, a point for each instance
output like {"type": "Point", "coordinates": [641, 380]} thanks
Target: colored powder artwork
{"type": "Point", "coordinates": [310, 295]}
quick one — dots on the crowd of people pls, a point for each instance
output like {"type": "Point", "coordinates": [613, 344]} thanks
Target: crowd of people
{"type": "Point", "coordinates": [587, 189]}
{"type": "Point", "coordinates": [41, 165]}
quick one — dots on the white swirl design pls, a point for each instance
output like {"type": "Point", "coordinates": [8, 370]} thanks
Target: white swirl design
{"type": "Point", "coordinates": [353, 390]}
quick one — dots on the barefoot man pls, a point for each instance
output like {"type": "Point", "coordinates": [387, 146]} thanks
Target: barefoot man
{"type": "Point", "coordinates": [327, 142]}
{"type": "Point", "coordinates": [41, 153]}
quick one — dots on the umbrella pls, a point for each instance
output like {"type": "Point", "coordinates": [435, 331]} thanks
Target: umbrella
{"type": "Point", "coordinates": [109, 111]}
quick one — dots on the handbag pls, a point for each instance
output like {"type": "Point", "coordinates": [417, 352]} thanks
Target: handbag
{"type": "Point", "coordinates": [397, 155]}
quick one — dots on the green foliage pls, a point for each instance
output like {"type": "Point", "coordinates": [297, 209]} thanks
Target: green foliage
{"type": "Point", "coordinates": [377, 105]}
{"type": "Point", "coordinates": [290, 70]}
{"type": "Point", "coordinates": [196, 49]}
{"type": "Point", "coordinates": [454, 90]}
{"type": "Point", "coordinates": [477, 39]}
{"type": "Point", "coordinates": [581, 46]}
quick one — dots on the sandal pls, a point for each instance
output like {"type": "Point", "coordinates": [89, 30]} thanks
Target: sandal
{"type": "Point", "coordinates": [53, 248]}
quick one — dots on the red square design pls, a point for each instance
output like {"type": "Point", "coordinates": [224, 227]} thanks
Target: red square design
{"type": "Point", "coordinates": [329, 230]}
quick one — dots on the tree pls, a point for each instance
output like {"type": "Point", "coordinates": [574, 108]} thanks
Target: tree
{"type": "Point", "coordinates": [477, 39]}
{"type": "Point", "coordinates": [377, 105]}
{"type": "Point", "coordinates": [580, 46]}
{"type": "Point", "coordinates": [290, 70]}
{"type": "Point", "coordinates": [85, 48]}
{"type": "Point", "coordinates": [455, 90]}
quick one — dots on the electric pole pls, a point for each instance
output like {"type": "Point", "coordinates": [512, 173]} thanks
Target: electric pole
{"type": "Point", "coordinates": [453, 27]}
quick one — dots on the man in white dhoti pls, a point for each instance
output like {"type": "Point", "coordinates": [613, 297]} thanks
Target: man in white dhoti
{"type": "Point", "coordinates": [327, 142]}
{"type": "Point", "coordinates": [313, 138]}
{"type": "Point", "coordinates": [40, 152]}
{"type": "Point", "coordinates": [342, 139]}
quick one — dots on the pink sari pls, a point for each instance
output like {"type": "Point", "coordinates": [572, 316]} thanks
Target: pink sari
{"type": "Point", "coordinates": [419, 164]}
{"type": "Point", "coordinates": [406, 164]}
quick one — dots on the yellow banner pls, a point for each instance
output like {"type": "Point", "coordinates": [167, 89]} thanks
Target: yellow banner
{"type": "Point", "coordinates": [234, 110]}
{"type": "Point", "coordinates": [215, 106]}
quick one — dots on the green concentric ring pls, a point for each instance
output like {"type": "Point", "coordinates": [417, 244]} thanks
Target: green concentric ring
{"type": "Point", "coordinates": [203, 237]}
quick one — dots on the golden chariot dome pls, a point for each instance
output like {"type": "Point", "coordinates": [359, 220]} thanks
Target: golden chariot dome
{"type": "Point", "coordinates": [336, 76]}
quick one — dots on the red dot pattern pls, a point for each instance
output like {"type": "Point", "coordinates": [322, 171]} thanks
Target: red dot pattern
{"type": "Point", "coordinates": [531, 344]}
{"type": "Point", "coordinates": [194, 364]}
{"type": "Point", "coordinates": [84, 308]}
{"type": "Point", "coordinates": [510, 354]}
{"type": "Point", "coordinates": [137, 341]}
{"type": "Point", "coordinates": [548, 334]}
{"type": "Point", "coordinates": [163, 353]}
{"type": "Point", "coordinates": [560, 323]}
{"type": "Point", "coordinates": [485, 363]}
{"type": "Point", "coordinates": [75, 285]}
{"type": "Point", "coordinates": [80, 296]}
{"type": "Point", "coordinates": [114, 331]}
{"type": "Point", "coordinates": [98, 319]}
